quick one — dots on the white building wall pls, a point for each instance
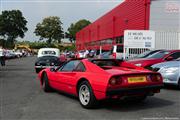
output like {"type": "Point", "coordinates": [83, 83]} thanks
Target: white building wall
{"type": "Point", "coordinates": [165, 21]}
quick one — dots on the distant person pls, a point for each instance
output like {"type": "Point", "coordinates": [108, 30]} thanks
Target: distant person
{"type": "Point", "coordinates": [2, 57]}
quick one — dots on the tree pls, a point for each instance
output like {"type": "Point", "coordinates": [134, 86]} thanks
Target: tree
{"type": "Point", "coordinates": [74, 28]}
{"type": "Point", "coordinates": [50, 29]}
{"type": "Point", "coordinates": [12, 25]}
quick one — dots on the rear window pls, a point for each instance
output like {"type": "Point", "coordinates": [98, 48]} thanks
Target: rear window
{"type": "Point", "coordinates": [160, 54]}
{"type": "Point", "coordinates": [48, 53]}
{"type": "Point", "coordinates": [51, 58]}
{"type": "Point", "coordinates": [102, 63]}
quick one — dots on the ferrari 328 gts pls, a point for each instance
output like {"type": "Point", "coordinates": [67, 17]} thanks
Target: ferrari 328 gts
{"type": "Point", "coordinates": [92, 80]}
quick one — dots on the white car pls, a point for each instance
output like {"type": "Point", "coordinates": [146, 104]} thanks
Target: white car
{"type": "Point", "coordinates": [18, 53]}
{"type": "Point", "coordinates": [117, 52]}
{"type": "Point", "coordinates": [48, 52]}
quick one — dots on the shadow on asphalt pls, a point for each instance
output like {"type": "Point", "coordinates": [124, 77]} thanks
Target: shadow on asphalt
{"type": "Point", "coordinates": [171, 87]}
{"type": "Point", "coordinates": [124, 105]}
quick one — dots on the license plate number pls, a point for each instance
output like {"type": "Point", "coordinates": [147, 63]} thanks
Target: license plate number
{"type": "Point", "coordinates": [136, 79]}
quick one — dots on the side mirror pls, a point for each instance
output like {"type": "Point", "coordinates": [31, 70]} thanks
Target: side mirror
{"type": "Point", "coordinates": [169, 58]}
{"type": "Point", "coordinates": [52, 69]}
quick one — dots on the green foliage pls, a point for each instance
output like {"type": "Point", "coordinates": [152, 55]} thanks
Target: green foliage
{"type": "Point", "coordinates": [74, 28]}
{"type": "Point", "coordinates": [41, 44]}
{"type": "Point", "coordinates": [50, 29]}
{"type": "Point", "coordinates": [12, 25]}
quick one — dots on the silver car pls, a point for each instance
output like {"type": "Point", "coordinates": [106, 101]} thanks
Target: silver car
{"type": "Point", "coordinates": [170, 71]}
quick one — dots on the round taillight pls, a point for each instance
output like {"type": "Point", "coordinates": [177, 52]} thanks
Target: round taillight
{"type": "Point", "coordinates": [115, 81]}
{"type": "Point", "coordinates": [156, 78]}
{"type": "Point", "coordinates": [112, 81]}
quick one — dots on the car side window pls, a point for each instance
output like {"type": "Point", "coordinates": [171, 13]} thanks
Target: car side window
{"type": "Point", "coordinates": [175, 55]}
{"type": "Point", "coordinates": [80, 68]}
{"type": "Point", "coordinates": [70, 66]}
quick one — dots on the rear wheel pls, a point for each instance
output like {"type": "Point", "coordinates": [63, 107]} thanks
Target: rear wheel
{"type": "Point", "coordinates": [45, 83]}
{"type": "Point", "coordinates": [86, 95]}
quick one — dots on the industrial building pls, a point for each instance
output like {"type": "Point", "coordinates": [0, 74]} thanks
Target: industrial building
{"type": "Point", "coordinates": [161, 16]}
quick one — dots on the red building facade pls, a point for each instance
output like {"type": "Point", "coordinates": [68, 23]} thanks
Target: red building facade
{"type": "Point", "coordinates": [108, 30]}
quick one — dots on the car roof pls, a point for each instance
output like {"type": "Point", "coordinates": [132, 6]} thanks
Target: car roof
{"type": "Point", "coordinates": [173, 50]}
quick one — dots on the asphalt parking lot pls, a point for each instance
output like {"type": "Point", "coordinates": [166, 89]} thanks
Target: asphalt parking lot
{"type": "Point", "coordinates": [22, 98]}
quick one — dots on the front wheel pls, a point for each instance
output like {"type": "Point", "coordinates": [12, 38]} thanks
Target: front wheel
{"type": "Point", "coordinates": [86, 95]}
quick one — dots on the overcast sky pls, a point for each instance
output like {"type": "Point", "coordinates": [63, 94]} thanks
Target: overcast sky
{"type": "Point", "coordinates": [69, 11]}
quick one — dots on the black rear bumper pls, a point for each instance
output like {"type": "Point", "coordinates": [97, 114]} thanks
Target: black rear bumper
{"type": "Point", "coordinates": [134, 90]}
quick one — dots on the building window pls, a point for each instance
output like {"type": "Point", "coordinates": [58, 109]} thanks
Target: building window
{"type": "Point", "coordinates": [120, 40]}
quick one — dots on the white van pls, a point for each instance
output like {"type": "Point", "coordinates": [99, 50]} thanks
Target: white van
{"type": "Point", "coordinates": [48, 52]}
{"type": "Point", "coordinates": [117, 52]}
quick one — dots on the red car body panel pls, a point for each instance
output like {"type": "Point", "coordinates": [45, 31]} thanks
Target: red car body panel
{"type": "Point", "coordinates": [97, 77]}
{"type": "Point", "coordinates": [146, 62]}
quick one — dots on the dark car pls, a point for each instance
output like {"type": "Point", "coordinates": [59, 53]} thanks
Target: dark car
{"type": "Point", "coordinates": [46, 62]}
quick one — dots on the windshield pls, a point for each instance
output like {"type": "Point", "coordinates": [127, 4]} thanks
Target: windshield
{"type": "Point", "coordinates": [160, 54]}
{"type": "Point", "coordinates": [142, 55]}
{"type": "Point", "coordinates": [107, 62]}
{"type": "Point", "coordinates": [178, 59]}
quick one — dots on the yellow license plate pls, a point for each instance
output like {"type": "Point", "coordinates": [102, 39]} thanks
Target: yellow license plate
{"type": "Point", "coordinates": [136, 79]}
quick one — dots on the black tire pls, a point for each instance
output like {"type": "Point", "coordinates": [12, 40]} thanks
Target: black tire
{"type": "Point", "coordinates": [37, 70]}
{"type": "Point", "coordinates": [92, 103]}
{"type": "Point", "coordinates": [45, 83]}
{"type": "Point", "coordinates": [179, 83]}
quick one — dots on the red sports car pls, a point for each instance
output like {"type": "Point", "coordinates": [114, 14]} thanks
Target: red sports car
{"type": "Point", "coordinates": [98, 79]}
{"type": "Point", "coordinates": [158, 57]}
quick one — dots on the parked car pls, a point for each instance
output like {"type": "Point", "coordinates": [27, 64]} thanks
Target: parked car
{"type": "Point", "coordinates": [72, 54]}
{"type": "Point", "coordinates": [161, 56]}
{"type": "Point", "coordinates": [146, 54]}
{"type": "Point", "coordinates": [82, 54]}
{"type": "Point", "coordinates": [92, 53]}
{"type": "Point", "coordinates": [105, 55]}
{"type": "Point", "coordinates": [18, 54]}
{"type": "Point", "coordinates": [46, 62]}
{"type": "Point", "coordinates": [117, 52]}
{"type": "Point", "coordinates": [170, 71]}
{"type": "Point", "coordinates": [98, 79]}
{"type": "Point", "coordinates": [10, 54]}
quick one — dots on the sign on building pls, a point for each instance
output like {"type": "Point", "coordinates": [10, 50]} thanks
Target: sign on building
{"type": "Point", "coordinates": [139, 39]}
{"type": "Point", "coordinates": [137, 42]}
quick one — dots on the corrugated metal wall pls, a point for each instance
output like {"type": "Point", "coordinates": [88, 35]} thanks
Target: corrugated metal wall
{"type": "Point", "coordinates": [165, 20]}
{"type": "Point", "coordinates": [167, 40]}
